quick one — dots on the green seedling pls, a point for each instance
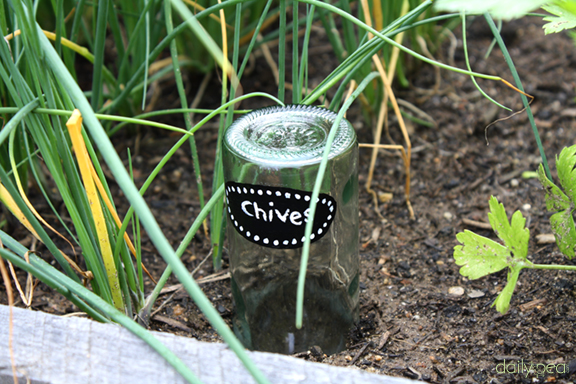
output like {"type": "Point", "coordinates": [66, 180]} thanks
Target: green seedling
{"type": "Point", "coordinates": [480, 256]}
{"type": "Point", "coordinates": [529, 174]}
{"type": "Point", "coordinates": [562, 200]}
{"type": "Point", "coordinates": [563, 11]}
{"type": "Point", "coordinates": [564, 16]}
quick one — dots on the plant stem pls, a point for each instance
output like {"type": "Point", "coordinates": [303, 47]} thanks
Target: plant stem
{"type": "Point", "coordinates": [128, 120]}
{"type": "Point", "coordinates": [465, 46]}
{"type": "Point", "coordinates": [46, 273]}
{"type": "Point", "coordinates": [316, 193]}
{"type": "Point", "coordinates": [184, 102]}
{"type": "Point", "coordinates": [553, 267]}
{"type": "Point", "coordinates": [145, 312]}
{"type": "Point", "coordinates": [144, 213]}
{"type": "Point", "coordinates": [510, 63]}
{"type": "Point", "coordinates": [395, 44]}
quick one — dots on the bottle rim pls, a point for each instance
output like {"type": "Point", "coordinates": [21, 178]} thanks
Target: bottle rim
{"type": "Point", "coordinates": [289, 136]}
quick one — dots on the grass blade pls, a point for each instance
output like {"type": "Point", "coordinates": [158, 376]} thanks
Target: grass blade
{"type": "Point", "coordinates": [296, 89]}
{"type": "Point", "coordinates": [316, 193]}
{"type": "Point", "coordinates": [147, 218]}
{"type": "Point", "coordinates": [184, 102]}
{"type": "Point", "coordinates": [145, 313]}
{"type": "Point", "coordinates": [40, 268]}
{"type": "Point", "coordinates": [102, 18]}
{"type": "Point", "coordinates": [470, 69]}
{"type": "Point", "coordinates": [282, 51]}
{"type": "Point", "coordinates": [74, 125]}
{"type": "Point", "coordinates": [518, 82]}
{"type": "Point", "coordinates": [51, 277]}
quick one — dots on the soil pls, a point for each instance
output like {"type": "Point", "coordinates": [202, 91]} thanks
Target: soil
{"type": "Point", "coordinates": [419, 318]}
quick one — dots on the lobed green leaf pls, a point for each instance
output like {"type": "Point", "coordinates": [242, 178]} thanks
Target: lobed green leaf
{"type": "Point", "coordinates": [556, 200]}
{"type": "Point", "coordinates": [563, 19]}
{"type": "Point", "coordinates": [500, 9]}
{"type": "Point", "coordinates": [565, 164]}
{"type": "Point", "coordinates": [515, 235]}
{"type": "Point", "coordinates": [479, 256]}
{"type": "Point", "coordinates": [562, 224]}
{"type": "Point", "coordinates": [502, 302]}
{"type": "Point", "coordinates": [562, 200]}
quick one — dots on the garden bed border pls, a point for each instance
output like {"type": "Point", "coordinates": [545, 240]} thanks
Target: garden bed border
{"type": "Point", "coordinates": [51, 349]}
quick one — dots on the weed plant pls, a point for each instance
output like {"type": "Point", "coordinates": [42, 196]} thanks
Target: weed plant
{"type": "Point", "coordinates": [57, 134]}
{"type": "Point", "coordinates": [480, 256]}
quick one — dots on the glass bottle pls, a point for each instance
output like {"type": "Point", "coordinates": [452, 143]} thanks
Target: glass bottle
{"type": "Point", "coordinates": [271, 158]}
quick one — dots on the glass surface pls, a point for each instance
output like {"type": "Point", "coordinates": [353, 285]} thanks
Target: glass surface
{"type": "Point", "coordinates": [271, 158]}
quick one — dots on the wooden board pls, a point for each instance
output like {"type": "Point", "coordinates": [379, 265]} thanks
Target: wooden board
{"type": "Point", "coordinates": [50, 349]}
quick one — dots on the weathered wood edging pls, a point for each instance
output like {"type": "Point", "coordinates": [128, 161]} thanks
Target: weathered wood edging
{"type": "Point", "coordinates": [50, 349]}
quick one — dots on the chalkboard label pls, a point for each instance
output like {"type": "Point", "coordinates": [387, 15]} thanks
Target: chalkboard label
{"type": "Point", "coordinates": [276, 217]}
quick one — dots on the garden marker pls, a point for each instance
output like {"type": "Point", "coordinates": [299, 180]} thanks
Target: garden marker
{"type": "Point", "coordinates": [275, 217]}
{"type": "Point", "coordinates": [271, 159]}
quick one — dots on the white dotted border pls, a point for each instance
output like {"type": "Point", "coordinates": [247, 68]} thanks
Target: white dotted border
{"type": "Point", "coordinates": [287, 195]}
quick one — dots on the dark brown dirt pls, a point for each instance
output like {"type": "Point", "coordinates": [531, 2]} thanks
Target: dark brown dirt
{"type": "Point", "coordinates": [410, 324]}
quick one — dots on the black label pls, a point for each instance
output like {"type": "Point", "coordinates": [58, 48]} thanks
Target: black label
{"type": "Point", "coordinates": [276, 217]}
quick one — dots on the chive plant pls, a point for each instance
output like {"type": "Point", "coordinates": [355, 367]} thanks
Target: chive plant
{"type": "Point", "coordinates": [40, 90]}
{"type": "Point", "coordinates": [346, 38]}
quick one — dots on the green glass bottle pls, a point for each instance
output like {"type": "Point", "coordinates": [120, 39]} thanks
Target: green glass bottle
{"type": "Point", "coordinates": [271, 158]}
